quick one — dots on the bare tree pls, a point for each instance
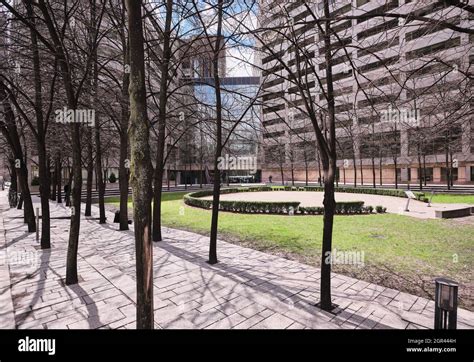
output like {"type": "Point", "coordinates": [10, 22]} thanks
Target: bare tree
{"type": "Point", "coordinates": [141, 168]}
{"type": "Point", "coordinates": [18, 166]}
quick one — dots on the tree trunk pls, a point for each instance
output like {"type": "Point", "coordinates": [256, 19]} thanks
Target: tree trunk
{"type": "Point", "coordinates": [44, 195]}
{"type": "Point", "coordinates": [185, 177]}
{"type": "Point", "coordinates": [20, 205]}
{"type": "Point", "coordinates": [69, 184]}
{"type": "Point", "coordinates": [328, 221]}
{"type": "Point", "coordinates": [98, 145]}
{"type": "Point", "coordinates": [306, 173]}
{"type": "Point", "coordinates": [451, 176]}
{"type": "Point", "coordinates": [73, 245]}
{"type": "Point", "coordinates": [448, 183]}
{"type": "Point", "coordinates": [396, 178]}
{"type": "Point", "coordinates": [200, 176]}
{"type": "Point", "coordinates": [168, 177]}
{"type": "Point", "coordinates": [14, 180]}
{"type": "Point", "coordinates": [420, 180]}
{"type": "Point", "coordinates": [282, 175]}
{"type": "Point", "coordinates": [292, 175]}
{"type": "Point", "coordinates": [123, 177]}
{"type": "Point", "coordinates": [215, 203]}
{"type": "Point", "coordinates": [100, 180]}
{"type": "Point", "coordinates": [44, 177]}
{"type": "Point", "coordinates": [90, 174]}
{"type": "Point", "coordinates": [355, 170]}
{"type": "Point", "coordinates": [160, 152]}
{"type": "Point", "coordinates": [319, 171]}
{"type": "Point", "coordinates": [124, 162]}
{"type": "Point", "coordinates": [54, 183]}
{"type": "Point", "coordinates": [381, 173]}
{"type": "Point", "coordinates": [329, 164]}
{"type": "Point", "coordinates": [10, 132]}
{"type": "Point", "coordinates": [28, 212]}
{"type": "Point", "coordinates": [59, 177]}
{"type": "Point", "coordinates": [217, 174]}
{"type": "Point", "coordinates": [141, 169]}
{"type": "Point", "coordinates": [373, 173]}
{"type": "Point", "coordinates": [424, 167]}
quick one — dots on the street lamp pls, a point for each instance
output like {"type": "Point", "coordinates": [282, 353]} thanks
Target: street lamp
{"type": "Point", "coordinates": [446, 303]}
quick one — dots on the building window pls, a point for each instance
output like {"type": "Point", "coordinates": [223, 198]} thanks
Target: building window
{"type": "Point", "coordinates": [433, 48]}
{"type": "Point", "coordinates": [276, 108]}
{"type": "Point", "coordinates": [273, 134]}
{"type": "Point", "coordinates": [377, 29]}
{"type": "Point", "coordinates": [381, 9]}
{"type": "Point", "coordinates": [272, 83]}
{"type": "Point", "coordinates": [427, 174]}
{"type": "Point", "coordinates": [272, 122]}
{"type": "Point", "coordinates": [362, 2]}
{"type": "Point", "coordinates": [444, 174]}
{"type": "Point", "coordinates": [430, 29]}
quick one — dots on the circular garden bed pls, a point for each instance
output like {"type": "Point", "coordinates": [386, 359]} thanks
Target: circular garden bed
{"type": "Point", "coordinates": [196, 199]}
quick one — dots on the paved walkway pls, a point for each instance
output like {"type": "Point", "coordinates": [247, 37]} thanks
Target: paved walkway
{"type": "Point", "coordinates": [246, 289]}
{"type": "Point", "coordinates": [394, 205]}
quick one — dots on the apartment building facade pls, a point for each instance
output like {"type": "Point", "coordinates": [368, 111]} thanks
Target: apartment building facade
{"type": "Point", "coordinates": [403, 90]}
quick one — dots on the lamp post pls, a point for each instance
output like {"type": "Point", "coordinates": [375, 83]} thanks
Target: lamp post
{"type": "Point", "coordinates": [446, 303]}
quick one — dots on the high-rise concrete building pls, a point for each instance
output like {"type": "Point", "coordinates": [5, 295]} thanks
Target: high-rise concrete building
{"type": "Point", "coordinates": [403, 90]}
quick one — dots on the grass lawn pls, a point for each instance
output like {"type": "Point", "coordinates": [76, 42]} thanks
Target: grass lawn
{"type": "Point", "coordinates": [399, 251]}
{"type": "Point", "coordinates": [453, 199]}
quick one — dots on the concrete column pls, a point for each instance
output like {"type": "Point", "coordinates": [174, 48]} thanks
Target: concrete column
{"type": "Point", "coordinates": [404, 144]}
{"type": "Point", "coordinates": [404, 174]}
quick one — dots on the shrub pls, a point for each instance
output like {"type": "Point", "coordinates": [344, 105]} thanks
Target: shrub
{"type": "Point", "coordinates": [193, 200]}
{"type": "Point", "coordinates": [112, 178]}
{"type": "Point", "coordinates": [349, 207]}
{"type": "Point", "coordinates": [35, 181]}
{"type": "Point", "coordinates": [317, 210]}
{"type": "Point", "coordinates": [342, 208]}
{"type": "Point", "coordinates": [380, 209]}
{"type": "Point", "coordinates": [261, 207]}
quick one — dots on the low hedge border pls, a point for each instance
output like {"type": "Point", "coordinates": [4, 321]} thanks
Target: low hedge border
{"type": "Point", "coordinates": [420, 196]}
{"type": "Point", "coordinates": [276, 207]}
{"type": "Point", "coordinates": [342, 208]}
{"type": "Point", "coordinates": [257, 207]}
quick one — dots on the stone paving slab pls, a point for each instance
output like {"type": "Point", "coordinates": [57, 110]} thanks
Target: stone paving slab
{"type": "Point", "coordinates": [247, 289]}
